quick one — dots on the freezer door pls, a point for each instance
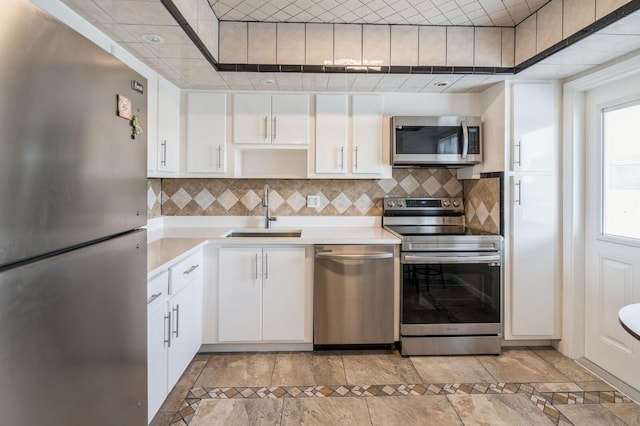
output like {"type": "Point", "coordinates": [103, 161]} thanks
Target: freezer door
{"type": "Point", "coordinates": [73, 337]}
{"type": "Point", "coordinates": [71, 171]}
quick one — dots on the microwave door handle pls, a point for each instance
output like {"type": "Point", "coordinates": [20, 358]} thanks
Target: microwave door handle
{"type": "Point", "coordinates": [465, 140]}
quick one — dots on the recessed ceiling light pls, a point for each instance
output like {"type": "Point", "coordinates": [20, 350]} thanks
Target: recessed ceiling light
{"type": "Point", "coordinates": [153, 38]}
{"type": "Point", "coordinates": [267, 82]}
{"type": "Point", "coordinates": [441, 83]}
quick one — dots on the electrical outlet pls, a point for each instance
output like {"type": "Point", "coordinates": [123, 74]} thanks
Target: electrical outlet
{"type": "Point", "coordinates": [313, 201]}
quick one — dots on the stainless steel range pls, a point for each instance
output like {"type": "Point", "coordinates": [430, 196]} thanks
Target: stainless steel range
{"type": "Point", "coordinates": [451, 283]}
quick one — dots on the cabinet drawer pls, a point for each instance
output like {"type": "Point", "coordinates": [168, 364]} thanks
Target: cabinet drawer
{"type": "Point", "coordinates": [157, 291]}
{"type": "Point", "coordinates": [185, 271]}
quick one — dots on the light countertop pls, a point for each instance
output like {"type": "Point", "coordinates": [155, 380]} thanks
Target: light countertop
{"type": "Point", "coordinates": [176, 243]}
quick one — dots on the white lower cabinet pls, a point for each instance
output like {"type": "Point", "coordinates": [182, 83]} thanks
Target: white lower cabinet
{"type": "Point", "coordinates": [261, 294]}
{"type": "Point", "coordinates": [174, 327]}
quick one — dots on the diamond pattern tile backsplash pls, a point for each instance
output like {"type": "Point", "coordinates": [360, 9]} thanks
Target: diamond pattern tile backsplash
{"type": "Point", "coordinates": [482, 204]}
{"type": "Point", "coordinates": [338, 197]}
{"type": "Point", "coordinates": [153, 198]}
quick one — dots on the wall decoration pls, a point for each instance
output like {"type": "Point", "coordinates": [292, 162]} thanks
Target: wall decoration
{"type": "Point", "coordinates": [124, 107]}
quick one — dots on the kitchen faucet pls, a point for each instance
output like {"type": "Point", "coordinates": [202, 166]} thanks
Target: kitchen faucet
{"type": "Point", "coordinates": [265, 203]}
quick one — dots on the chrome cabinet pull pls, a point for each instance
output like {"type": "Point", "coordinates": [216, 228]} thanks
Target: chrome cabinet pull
{"type": "Point", "coordinates": [355, 164]}
{"type": "Point", "coordinates": [519, 161]}
{"type": "Point", "coordinates": [177, 311]}
{"type": "Point", "coordinates": [274, 132]}
{"type": "Point", "coordinates": [266, 266]}
{"type": "Point", "coordinates": [190, 270]}
{"type": "Point", "coordinates": [519, 185]}
{"type": "Point", "coordinates": [167, 329]}
{"type": "Point", "coordinates": [153, 297]}
{"type": "Point", "coordinates": [219, 157]}
{"type": "Point", "coordinates": [163, 158]}
{"type": "Point", "coordinates": [265, 127]}
{"type": "Point", "coordinates": [342, 158]}
{"type": "Point", "coordinates": [256, 266]}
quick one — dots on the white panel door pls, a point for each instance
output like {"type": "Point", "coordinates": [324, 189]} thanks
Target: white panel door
{"type": "Point", "coordinates": [367, 134]}
{"type": "Point", "coordinates": [290, 119]}
{"type": "Point", "coordinates": [283, 298]}
{"type": "Point", "coordinates": [534, 128]}
{"type": "Point", "coordinates": [612, 261]}
{"type": "Point", "coordinates": [252, 118]}
{"type": "Point", "coordinates": [186, 328]}
{"type": "Point", "coordinates": [240, 294]}
{"type": "Point", "coordinates": [332, 133]}
{"type": "Point", "coordinates": [206, 132]}
{"type": "Point", "coordinates": [534, 252]}
{"type": "Point", "coordinates": [168, 126]}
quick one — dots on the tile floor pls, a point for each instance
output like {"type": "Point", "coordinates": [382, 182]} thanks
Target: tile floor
{"type": "Point", "coordinates": [532, 386]}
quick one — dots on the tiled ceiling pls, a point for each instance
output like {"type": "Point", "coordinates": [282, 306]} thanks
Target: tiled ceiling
{"type": "Point", "coordinates": [127, 21]}
{"type": "Point", "coordinates": [495, 13]}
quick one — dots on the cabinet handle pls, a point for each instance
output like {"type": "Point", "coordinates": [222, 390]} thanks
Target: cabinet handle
{"type": "Point", "coordinates": [519, 146]}
{"type": "Point", "coordinates": [274, 132]}
{"type": "Point", "coordinates": [163, 158]}
{"type": "Point", "coordinates": [256, 266]}
{"type": "Point", "coordinates": [177, 311]}
{"type": "Point", "coordinates": [519, 200]}
{"type": "Point", "coordinates": [266, 266]}
{"type": "Point", "coordinates": [219, 156]}
{"type": "Point", "coordinates": [342, 158]}
{"type": "Point", "coordinates": [355, 164]}
{"type": "Point", "coordinates": [265, 127]}
{"type": "Point", "coordinates": [190, 270]}
{"type": "Point", "coordinates": [153, 297]}
{"type": "Point", "coordinates": [167, 329]}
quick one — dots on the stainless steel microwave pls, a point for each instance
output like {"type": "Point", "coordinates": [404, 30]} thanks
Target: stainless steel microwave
{"type": "Point", "coordinates": [436, 141]}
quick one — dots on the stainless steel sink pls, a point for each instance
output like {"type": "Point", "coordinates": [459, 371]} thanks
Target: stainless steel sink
{"type": "Point", "coordinates": [266, 233]}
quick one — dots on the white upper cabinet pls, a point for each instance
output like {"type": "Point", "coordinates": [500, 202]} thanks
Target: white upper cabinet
{"type": "Point", "coordinates": [206, 132]}
{"type": "Point", "coordinates": [271, 119]}
{"type": "Point", "coordinates": [534, 128]}
{"type": "Point", "coordinates": [332, 133]}
{"type": "Point", "coordinates": [367, 134]}
{"type": "Point", "coordinates": [343, 149]}
{"type": "Point", "coordinates": [168, 143]}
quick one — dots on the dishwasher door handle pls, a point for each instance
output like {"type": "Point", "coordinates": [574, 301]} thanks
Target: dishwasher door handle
{"type": "Point", "coordinates": [331, 255]}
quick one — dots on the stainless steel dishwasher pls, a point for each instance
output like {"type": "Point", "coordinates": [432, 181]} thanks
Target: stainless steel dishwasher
{"type": "Point", "coordinates": [353, 295]}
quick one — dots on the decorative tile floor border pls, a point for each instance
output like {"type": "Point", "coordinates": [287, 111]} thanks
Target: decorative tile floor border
{"type": "Point", "coordinates": [544, 401]}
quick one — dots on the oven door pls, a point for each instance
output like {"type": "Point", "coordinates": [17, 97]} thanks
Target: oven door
{"type": "Point", "coordinates": [451, 293]}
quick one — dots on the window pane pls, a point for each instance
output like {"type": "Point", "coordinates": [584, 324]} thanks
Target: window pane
{"type": "Point", "coordinates": [621, 171]}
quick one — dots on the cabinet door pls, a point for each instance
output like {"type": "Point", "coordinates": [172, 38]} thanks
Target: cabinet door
{"type": "Point", "coordinates": [290, 119]}
{"type": "Point", "coordinates": [252, 118]}
{"type": "Point", "coordinates": [534, 129]}
{"type": "Point", "coordinates": [152, 124]}
{"type": "Point", "coordinates": [367, 134]}
{"type": "Point", "coordinates": [168, 126]}
{"type": "Point", "coordinates": [186, 329]}
{"type": "Point", "coordinates": [534, 256]}
{"type": "Point", "coordinates": [206, 132]}
{"type": "Point", "coordinates": [283, 294]}
{"type": "Point", "coordinates": [157, 332]}
{"type": "Point", "coordinates": [332, 133]}
{"type": "Point", "coordinates": [240, 294]}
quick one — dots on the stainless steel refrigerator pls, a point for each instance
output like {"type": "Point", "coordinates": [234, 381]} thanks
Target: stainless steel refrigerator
{"type": "Point", "coordinates": [72, 256]}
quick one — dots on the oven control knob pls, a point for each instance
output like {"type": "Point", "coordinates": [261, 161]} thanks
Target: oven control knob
{"type": "Point", "coordinates": [456, 204]}
{"type": "Point", "coordinates": [399, 203]}
{"type": "Point", "coordinates": [446, 203]}
{"type": "Point", "coordinates": [391, 203]}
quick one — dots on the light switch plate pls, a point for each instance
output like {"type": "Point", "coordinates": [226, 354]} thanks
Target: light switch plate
{"type": "Point", "coordinates": [313, 201]}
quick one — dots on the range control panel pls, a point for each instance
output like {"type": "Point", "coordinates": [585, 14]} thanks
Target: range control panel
{"type": "Point", "coordinates": [401, 204]}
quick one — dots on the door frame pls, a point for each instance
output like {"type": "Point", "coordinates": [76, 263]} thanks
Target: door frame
{"type": "Point", "coordinates": [573, 188]}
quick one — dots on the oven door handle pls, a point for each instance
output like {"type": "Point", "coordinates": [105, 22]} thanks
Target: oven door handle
{"type": "Point", "coordinates": [492, 258]}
